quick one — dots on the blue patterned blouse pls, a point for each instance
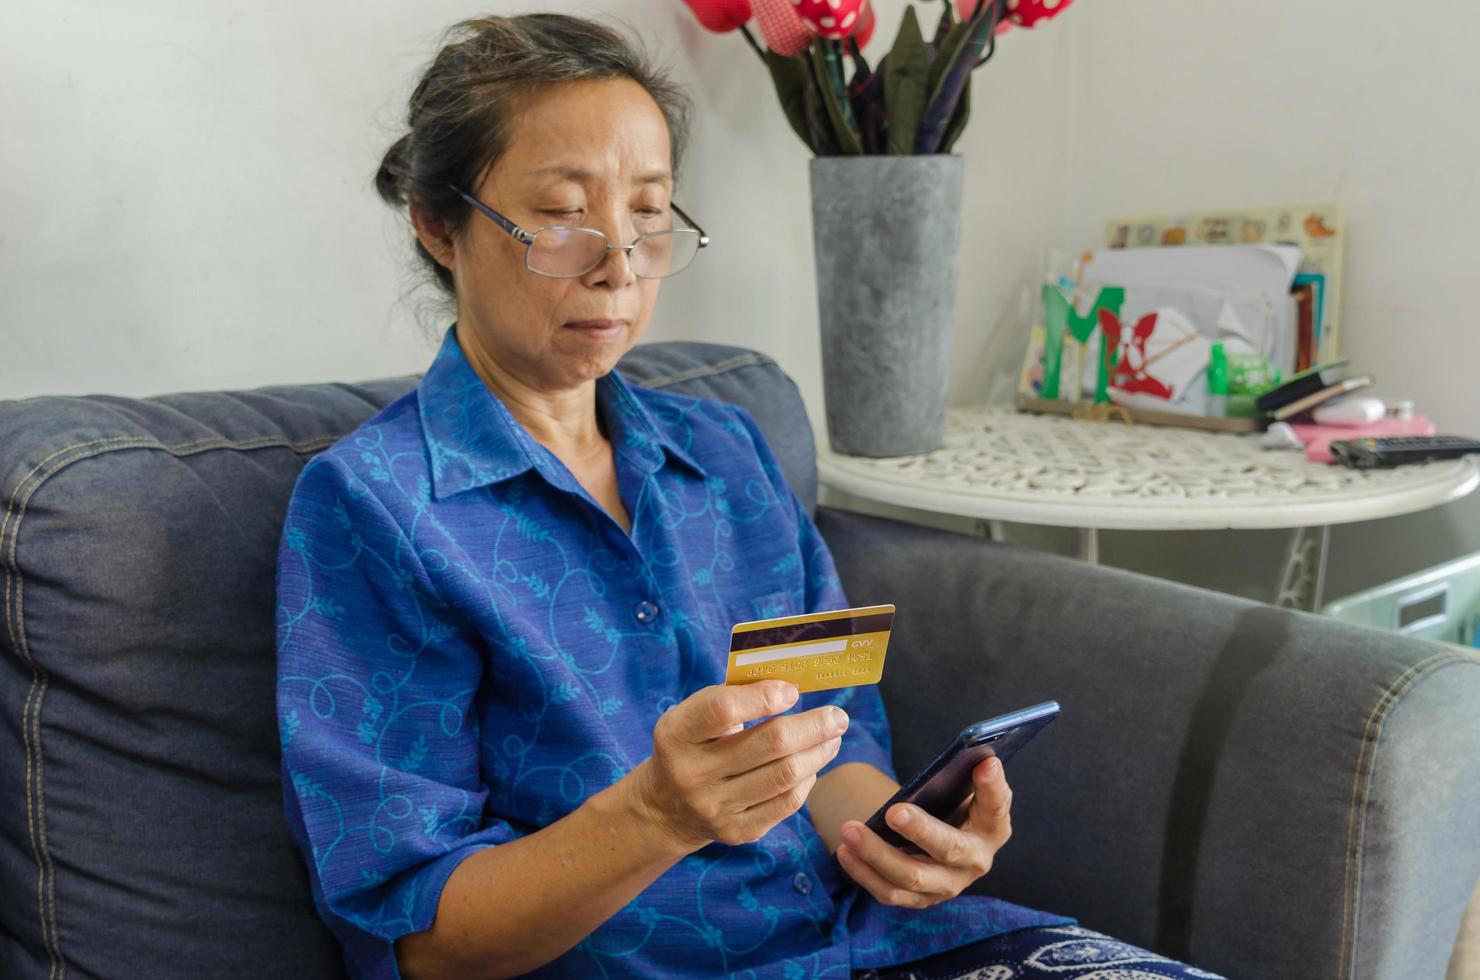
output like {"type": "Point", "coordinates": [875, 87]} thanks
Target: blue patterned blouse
{"type": "Point", "coordinates": [469, 646]}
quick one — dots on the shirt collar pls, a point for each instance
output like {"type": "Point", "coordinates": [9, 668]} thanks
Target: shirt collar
{"type": "Point", "coordinates": [473, 440]}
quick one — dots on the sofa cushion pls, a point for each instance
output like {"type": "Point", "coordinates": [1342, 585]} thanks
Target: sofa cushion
{"type": "Point", "coordinates": [144, 830]}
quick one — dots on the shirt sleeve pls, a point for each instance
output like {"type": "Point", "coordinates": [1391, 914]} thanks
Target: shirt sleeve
{"type": "Point", "coordinates": [375, 691]}
{"type": "Point", "coordinates": [867, 738]}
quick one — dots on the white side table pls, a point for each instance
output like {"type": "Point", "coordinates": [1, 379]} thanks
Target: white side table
{"type": "Point", "coordinates": [1002, 465]}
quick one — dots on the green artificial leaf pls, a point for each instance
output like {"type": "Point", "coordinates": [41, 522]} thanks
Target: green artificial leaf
{"type": "Point", "coordinates": [945, 56]}
{"type": "Point", "coordinates": [837, 75]}
{"type": "Point", "coordinates": [943, 26]}
{"type": "Point", "coordinates": [860, 63]}
{"type": "Point", "coordinates": [950, 78]}
{"type": "Point", "coordinates": [821, 141]}
{"type": "Point", "coordinates": [958, 120]}
{"type": "Point", "coordinates": [868, 108]}
{"type": "Point", "coordinates": [834, 99]}
{"type": "Point", "coordinates": [872, 125]}
{"type": "Point", "coordinates": [904, 85]}
{"type": "Point", "coordinates": [863, 92]}
{"type": "Point", "coordinates": [791, 76]}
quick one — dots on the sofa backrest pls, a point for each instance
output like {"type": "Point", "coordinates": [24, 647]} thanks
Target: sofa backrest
{"type": "Point", "coordinates": [142, 831]}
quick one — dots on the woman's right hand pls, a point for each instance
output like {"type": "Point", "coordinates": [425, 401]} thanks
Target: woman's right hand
{"type": "Point", "coordinates": [711, 779]}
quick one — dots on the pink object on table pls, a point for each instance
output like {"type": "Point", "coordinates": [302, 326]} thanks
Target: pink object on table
{"type": "Point", "coordinates": [1318, 438]}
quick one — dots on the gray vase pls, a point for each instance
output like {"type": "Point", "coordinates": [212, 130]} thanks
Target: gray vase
{"type": "Point", "coordinates": [886, 231]}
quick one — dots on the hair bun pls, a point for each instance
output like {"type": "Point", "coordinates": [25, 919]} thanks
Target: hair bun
{"type": "Point", "coordinates": [392, 167]}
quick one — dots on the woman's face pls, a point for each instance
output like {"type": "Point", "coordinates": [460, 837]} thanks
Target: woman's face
{"type": "Point", "coordinates": [593, 154]}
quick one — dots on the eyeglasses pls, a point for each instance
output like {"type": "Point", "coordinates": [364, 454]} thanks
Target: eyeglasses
{"type": "Point", "coordinates": [563, 252]}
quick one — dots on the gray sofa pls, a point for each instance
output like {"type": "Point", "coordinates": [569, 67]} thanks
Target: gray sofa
{"type": "Point", "coordinates": [1261, 792]}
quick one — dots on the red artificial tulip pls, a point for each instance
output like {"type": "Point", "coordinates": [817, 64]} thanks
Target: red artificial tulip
{"type": "Point", "coordinates": [784, 32]}
{"type": "Point", "coordinates": [1030, 13]}
{"type": "Point", "coordinates": [720, 16]}
{"type": "Point", "coordinates": [1017, 13]}
{"type": "Point", "coordinates": [830, 18]}
{"type": "Point", "coordinates": [865, 28]}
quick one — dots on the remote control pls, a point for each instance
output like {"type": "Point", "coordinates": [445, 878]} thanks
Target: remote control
{"type": "Point", "coordinates": [1369, 453]}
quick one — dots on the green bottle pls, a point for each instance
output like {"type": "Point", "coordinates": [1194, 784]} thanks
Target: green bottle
{"type": "Point", "coordinates": [1218, 383]}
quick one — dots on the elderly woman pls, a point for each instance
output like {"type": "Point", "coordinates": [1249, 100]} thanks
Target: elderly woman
{"type": "Point", "coordinates": [504, 605]}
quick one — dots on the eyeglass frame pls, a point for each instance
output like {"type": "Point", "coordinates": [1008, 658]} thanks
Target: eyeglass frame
{"type": "Point", "coordinates": [526, 238]}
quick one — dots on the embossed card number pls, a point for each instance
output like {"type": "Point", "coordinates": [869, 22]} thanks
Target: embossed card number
{"type": "Point", "coordinates": [816, 652]}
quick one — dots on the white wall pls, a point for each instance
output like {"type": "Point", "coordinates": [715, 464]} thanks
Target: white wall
{"type": "Point", "coordinates": [185, 197]}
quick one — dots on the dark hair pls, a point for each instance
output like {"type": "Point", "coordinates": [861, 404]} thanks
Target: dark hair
{"type": "Point", "coordinates": [459, 114]}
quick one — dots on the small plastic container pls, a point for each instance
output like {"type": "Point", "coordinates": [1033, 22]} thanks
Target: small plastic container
{"type": "Point", "coordinates": [1440, 603]}
{"type": "Point", "coordinates": [1218, 383]}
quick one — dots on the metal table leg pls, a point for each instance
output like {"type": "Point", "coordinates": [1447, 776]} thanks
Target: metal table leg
{"type": "Point", "coordinates": [1303, 577]}
{"type": "Point", "coordinates": [1089, 544]}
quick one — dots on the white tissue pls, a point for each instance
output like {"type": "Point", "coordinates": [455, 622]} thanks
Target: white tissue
{"type": "Point", "coordinates": [1280, 436]}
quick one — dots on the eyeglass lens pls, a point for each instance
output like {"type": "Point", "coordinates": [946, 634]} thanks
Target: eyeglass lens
{"type": "Point", "coordinates": [570, 252]}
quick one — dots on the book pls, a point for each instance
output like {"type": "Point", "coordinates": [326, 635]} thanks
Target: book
{"type": "Point", "coordinates": [1305, 340]}
{"type": "Point", "coordinates": [1306, 382]}
{"type": "Point", "coordinates": [1302, 405]}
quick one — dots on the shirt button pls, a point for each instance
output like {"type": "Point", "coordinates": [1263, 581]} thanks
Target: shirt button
{"type": "Point", "coordinates": [802, 883]}
{"type": "Point", "coordinates": [645, 612]}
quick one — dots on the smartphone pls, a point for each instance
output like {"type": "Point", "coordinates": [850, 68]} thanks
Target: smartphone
{"type": "Point", "coordinates": [945, 782]}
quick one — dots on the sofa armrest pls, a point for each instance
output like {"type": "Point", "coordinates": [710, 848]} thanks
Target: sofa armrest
{"type": "Point", "coordinates": [1257, 791]}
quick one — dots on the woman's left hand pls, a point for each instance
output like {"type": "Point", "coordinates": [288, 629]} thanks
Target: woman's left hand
{"type": "Point", "coordinates": [953, 857]}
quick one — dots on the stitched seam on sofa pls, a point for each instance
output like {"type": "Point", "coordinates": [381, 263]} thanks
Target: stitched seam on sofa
{"type": "Point", "coordinates": [15, 625]}
{"type": "Point", "coordinates": [707, 370]}
{"type": "Point", "coordinates": [1356, 823]}
{"type": "Point", "coordinates": [38, 684]}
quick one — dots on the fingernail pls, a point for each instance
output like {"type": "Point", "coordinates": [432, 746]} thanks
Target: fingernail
{"type": "Point", "coordinates": [839, 719]}
{"type": "Point", "coordinates": [851, 835]}
{"type": "Point", "coordinates": [901, 817]}
{"type": "Point", "coordinates": [789, 695]}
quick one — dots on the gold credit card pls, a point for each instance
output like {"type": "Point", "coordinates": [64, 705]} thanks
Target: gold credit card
{"type": "Point", "coordinates": [816, 652]}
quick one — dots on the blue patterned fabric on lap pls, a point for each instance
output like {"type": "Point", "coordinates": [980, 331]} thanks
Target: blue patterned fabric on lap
{"type": "Point", "coordinates": [1058, 953]}
{"type": "Point", "coordinates": [469, 646]}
